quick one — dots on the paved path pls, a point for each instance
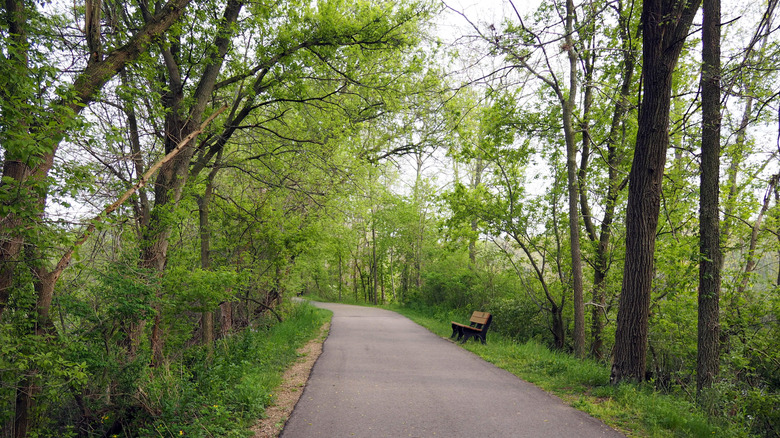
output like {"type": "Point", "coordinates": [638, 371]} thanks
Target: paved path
{"type": "Point", "coordinates": [381, 375]}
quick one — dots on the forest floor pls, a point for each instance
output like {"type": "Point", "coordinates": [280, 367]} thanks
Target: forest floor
{"type": "Point", "coordinates": [288, 393]}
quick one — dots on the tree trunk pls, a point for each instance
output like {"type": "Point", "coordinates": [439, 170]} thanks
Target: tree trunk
{"type": "Point", "coordinates": [392, 276]}
{"type": "Point", "coordinates": [355, 273]}
{"type": "Point", "coordinates": [777, 234]}
{"type": "Point", "coordinates": [615, 186]}
{"type": "Point", "coordinates": [207, 331]}
{"type": "Point", "coordinates": [558, 328]}
{"type": "Point", "coordinates": [26, 391]}
{"type": "Point", "coordinates": [226, 318]}
{"type": "Point", "coordinates": [420, 236]}
{"type": "Point", "coordinates": [16, 167]}
{"type": "Point", "coordinates": [708, 358]}
{"type": "Point", "coordinates": [573, 189]}
{"type": "Point", "coordinates": [92, 10]}
{"type": "Point", "coordinates": [382, 286]}
{"type": "Point", "coordinates": [341, 275]}
{"type": "Point", "coordinates": [665, 25]}
{"type": "Point", "coordinates": [751, 260]}
{"type": "Point", "coordinates": [479, 167]}
{"type": "Point", "coordinates": [374, 267]}
{"type": "Point", "coordinates": [28, 387]}
{"type": "Point", "coordinates": [141, 204]}
{"type": "Point", "coordinates": [204, 203]}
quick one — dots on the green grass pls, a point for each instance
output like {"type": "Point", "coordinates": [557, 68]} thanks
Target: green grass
{"type": "Point", "coordinates": [225, 395]}
{"type": "Point", "coordinates": [636, 410]}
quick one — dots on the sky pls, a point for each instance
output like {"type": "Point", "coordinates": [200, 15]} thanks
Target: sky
{"type": "Point", "coordinates": [451, 27]}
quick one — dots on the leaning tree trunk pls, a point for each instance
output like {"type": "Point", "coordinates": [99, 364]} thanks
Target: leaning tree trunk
{"type": "Point", "coordinates": [665, 25]}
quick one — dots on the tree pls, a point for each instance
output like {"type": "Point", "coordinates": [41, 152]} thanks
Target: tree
{"type": "Point", "coordinates": [665, 25]}
{"type": "Point", "coordinates": [302, 82]}
{"type": "Point", "coordinates": [181, 119]}
{"type": "Point", "coordinates": [33, 132]}
{"type": "Point", "coordinates": [310, 61]}
{"type": "Point", "coordinates": [573, 186]}
{"type": "Point", "coordinates": [708, 360]}
{"type": "Point", "coordinates": [567, 98]}
{"type": "Point", "coordinates": [616, 137]}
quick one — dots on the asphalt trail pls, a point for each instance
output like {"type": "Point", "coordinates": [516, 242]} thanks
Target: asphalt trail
{"type": "Point", "coordinates": [382, 375]}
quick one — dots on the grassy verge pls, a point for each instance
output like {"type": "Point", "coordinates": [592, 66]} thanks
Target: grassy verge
{"type": "Point", "coordinates": [224, 395]}
{"type": "Point", "coordinates": [636, 410]}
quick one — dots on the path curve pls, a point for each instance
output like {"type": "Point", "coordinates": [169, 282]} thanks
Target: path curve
{"type": "Point", "coordinates": [382, 375]}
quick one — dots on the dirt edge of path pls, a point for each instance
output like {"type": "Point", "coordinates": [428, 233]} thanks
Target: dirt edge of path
{"type": "Point", "coordinates": [289, 392]}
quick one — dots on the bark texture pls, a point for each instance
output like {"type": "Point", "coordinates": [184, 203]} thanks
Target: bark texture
{"type": "Point", "coordinates": [708, 358]}
{"type": "Point", "coordinates": [665, 25]}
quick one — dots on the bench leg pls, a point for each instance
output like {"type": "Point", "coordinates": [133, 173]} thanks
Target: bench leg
{"type": "Point", "coordinates": [456, 331]}
{"type": "Point", "coordinates": [469, 334]}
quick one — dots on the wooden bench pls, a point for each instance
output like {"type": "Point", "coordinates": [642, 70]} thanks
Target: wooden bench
{"type": "Point", "coordinates": [478, 326]}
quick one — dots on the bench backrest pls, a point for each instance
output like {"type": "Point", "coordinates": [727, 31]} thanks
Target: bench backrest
{"type": "Point", "coordinates": [481, 320]}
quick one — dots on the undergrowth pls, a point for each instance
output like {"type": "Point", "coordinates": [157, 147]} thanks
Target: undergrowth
{"type": "Point", "coordinates": [224, 394]}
